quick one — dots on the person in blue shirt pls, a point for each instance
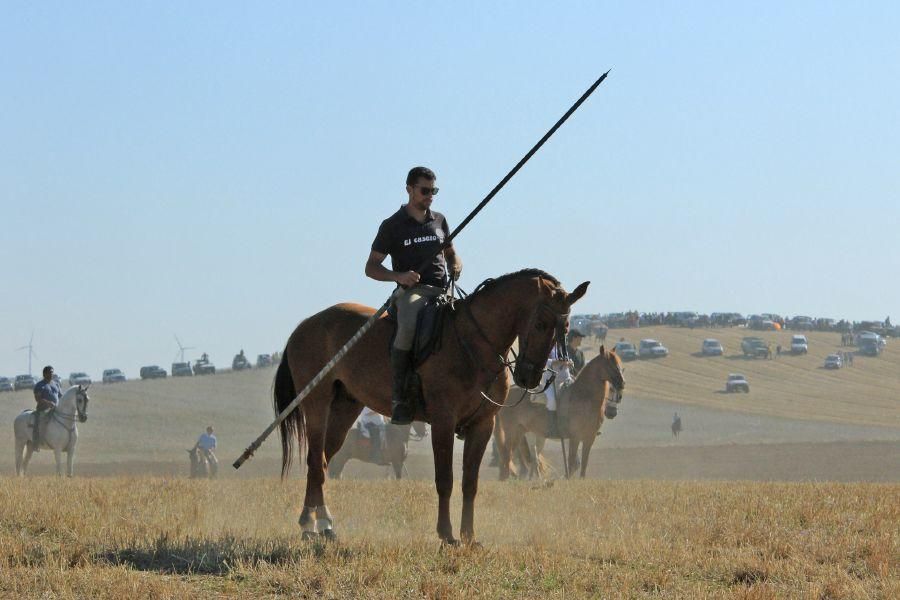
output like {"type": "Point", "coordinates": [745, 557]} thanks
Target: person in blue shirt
{"type": "Point", "coordinates": [206, 443]}
{"type": "Point", "coordinates": [47, 395]}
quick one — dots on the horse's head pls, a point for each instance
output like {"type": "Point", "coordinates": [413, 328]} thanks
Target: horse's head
{"type": "Point", "coordinates": [545, 325]}
{"type": "Point", "coordinates": [81, 402]}
{"type": "Point", "coordinates": [611, 370]}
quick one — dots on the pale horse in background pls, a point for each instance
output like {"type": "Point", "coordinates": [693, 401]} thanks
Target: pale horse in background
{"type": "Point", "coordinates": [59, 431]}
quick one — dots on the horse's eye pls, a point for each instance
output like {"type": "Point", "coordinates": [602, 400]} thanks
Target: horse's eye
{"type": "Point", "coordinates": [540, 326]}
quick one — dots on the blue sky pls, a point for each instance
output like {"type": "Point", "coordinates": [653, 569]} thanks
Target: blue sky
{"type": "Point", "coordinates": [218, 170]}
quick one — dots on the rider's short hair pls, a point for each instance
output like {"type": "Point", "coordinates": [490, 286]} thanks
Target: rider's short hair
{"type": "Point", "coordinates": [46, 369]}
{"type": "Point", "coordinates": [417, 173]}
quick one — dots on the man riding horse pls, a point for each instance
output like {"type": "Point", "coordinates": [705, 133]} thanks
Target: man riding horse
{"type": "Point", "coordinates": [410, 236]}
{"type": "Point", "coordinates": [47, 394]}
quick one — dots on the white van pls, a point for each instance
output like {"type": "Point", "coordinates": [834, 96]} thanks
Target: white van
{"type": "Point", "coordinates": [799, 344]}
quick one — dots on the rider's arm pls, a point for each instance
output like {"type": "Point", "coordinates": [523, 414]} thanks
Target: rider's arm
{"type": "Point", "coordinates": [454, 262]}
{"type": "Point", "coordinates": [379, 272]}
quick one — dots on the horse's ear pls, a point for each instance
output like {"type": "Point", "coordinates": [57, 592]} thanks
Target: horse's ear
{"type": "Point", "coordinates": [580, 291]}
{"type": "Point", "coordinates": [602, 350]}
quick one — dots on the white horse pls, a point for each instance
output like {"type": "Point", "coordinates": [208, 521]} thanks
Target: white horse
{"type": "Point", "coordinates": [58, 430]}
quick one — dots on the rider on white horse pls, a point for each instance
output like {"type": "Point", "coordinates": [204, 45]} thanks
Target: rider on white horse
{"type": "Point", "coordinates": [207, 443]}
{"type": "Point", "coordinates": [47, 394]}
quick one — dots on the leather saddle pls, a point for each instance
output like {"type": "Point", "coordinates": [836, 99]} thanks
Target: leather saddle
{"type": "Point", "coordinates": [429, 328]}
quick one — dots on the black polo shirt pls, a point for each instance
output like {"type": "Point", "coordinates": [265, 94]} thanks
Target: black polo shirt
{"type": "Point", "coordinates": [410, 243]}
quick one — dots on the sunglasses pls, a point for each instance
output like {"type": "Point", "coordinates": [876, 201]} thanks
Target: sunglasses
{"type": "Point", "coordinates": [428, 191]}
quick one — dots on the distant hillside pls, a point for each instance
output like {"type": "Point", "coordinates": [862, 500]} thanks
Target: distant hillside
{"type": "Point", "coordinates": [138, 424]}
{"type": "Point", "coordinates": [791, 386]}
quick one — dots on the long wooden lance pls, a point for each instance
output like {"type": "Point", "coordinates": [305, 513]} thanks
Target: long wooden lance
{"type": "Point", "coordinates": [371, 320]}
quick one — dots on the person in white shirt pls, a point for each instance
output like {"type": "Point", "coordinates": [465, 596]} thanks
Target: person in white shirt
{"type": "Point", "coordinates": [562, 367]}
{"type": "Point", "coordinates": [372, 426]}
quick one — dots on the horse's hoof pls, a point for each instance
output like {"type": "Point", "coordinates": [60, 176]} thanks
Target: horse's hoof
{"type": "Point", "coordinates": [329, 535]}
{"type": "Point", "coordinates": [474, 544]}
{"type": "Point", "coordinates": [453, 542]}
{"type": "Point", "coordinates": [308, 536]}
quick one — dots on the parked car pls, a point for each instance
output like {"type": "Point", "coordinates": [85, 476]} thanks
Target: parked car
{"type": "Point", "coordinates": [626, 350]}
{"type": "Point", "coordinates": [870, 336]}
{"type": "Point", "coordinates": [240, 362]}
{"type": "Point", "coordinates": [24, 382]}
{"type": "Point", "coordinates": [652, 349]}
{"type": "Point", "coordinates": [834, 361]}
{"type": "Point", "coordinates": [113, 376]}
{"type": "Point", "coordinates": [79, 378]}
{"type": "Point", "coordinates": [263, 360]}
{"type": "Point", "coordinates": [802, 323]}
{"type": "Point", "coordinates": [181, 369]}
{"type": "Point", "coordinates": [754, 347]}
{"type": "Point", "coordinates": [737, 383]}
{"type": "Point", "coordinates": [153, 372]}
{"type": "Point", "coordinates": [712, 347]}
{"type": "Point", "coordinates": [203, 366]}
{"type": "Point", "coordinates": [799, 344]}
{"type": "Point", "coordinates": [6, 384]}
{"type": "Point", "coordinates": [869, 347]}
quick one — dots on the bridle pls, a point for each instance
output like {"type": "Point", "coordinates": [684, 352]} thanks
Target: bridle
{"type": "Point", "coordinates": [559, 333]}
{"type": "Point", "coordinates": [79, 414]}
{"type": "Point", "coordinates": [518, 362]}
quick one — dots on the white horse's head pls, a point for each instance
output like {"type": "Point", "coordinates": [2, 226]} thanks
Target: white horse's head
{"type": "Point", "coordinates": [76, 398]}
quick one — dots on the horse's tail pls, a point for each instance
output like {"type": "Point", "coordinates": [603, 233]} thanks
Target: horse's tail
{"type": "Point", "coordinates": [293, 425]}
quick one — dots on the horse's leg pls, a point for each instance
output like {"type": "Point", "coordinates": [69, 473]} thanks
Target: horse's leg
{"type": "Point", "coordinates": [533, 471]}
{"type": "Point", "coordinates": [20, 451]}
{"type": "Point", "coordinates": [585, 453]}
{"type": "Point", "coordinates": [573, 455]}
{"type": "Point", "coordinates": [57, 454]}
{"type": "Point", "coordinates": [343, 413]}
{"type": "Point", "coordinates": [503, 449]}
{"type": "Point", "coordinates": [398, 468]}
{"type": "Point", "coordinates": [539, 443]}
{"type": "Point", "coordinates": [70, 462]}
{"type": "Point", "coordinates": [29, 450]}
{"type": "Point", "coordinates": [316, 410]}
{"type": "Point", "coordinates": [477, 438]}
{"type": "Point", "coordinates": [442, 447]}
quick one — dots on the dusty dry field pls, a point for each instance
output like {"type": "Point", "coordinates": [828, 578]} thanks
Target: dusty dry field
{"type": "Point", "coordinates": [164, 538]}
{"type": "Point", "coordinates": [789, 491]}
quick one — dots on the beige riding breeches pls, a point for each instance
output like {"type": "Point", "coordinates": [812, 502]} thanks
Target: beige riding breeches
{"type": "Point", "coordinates": [409, 302]}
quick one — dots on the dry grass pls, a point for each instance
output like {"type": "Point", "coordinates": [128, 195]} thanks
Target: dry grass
{"type": "Point", "coordinates": [116, 538]}
{"type": "Point", "coordinates": [173, 538]}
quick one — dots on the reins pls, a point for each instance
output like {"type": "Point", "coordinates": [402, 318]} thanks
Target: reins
{"type": "Point", "coordinates": [506, 363]}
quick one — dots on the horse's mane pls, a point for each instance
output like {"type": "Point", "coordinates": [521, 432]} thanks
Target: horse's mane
{"type": "Point", "coordinates": [492, 282]}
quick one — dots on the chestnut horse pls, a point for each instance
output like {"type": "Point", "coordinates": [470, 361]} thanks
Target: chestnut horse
{"type": "Point", "coordinates": [464, 382]}
{"type": "Point", "coordinates": [585, 402]}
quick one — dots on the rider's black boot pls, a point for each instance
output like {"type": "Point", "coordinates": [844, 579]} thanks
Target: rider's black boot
{"type": "Point", "coordinates": [401, 408]}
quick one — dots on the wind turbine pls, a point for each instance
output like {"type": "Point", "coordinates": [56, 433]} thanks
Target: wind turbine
{"type": "Point", "coordinates": [181, 348]}
{"type": "Point", "coordinates": [30, 348]}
